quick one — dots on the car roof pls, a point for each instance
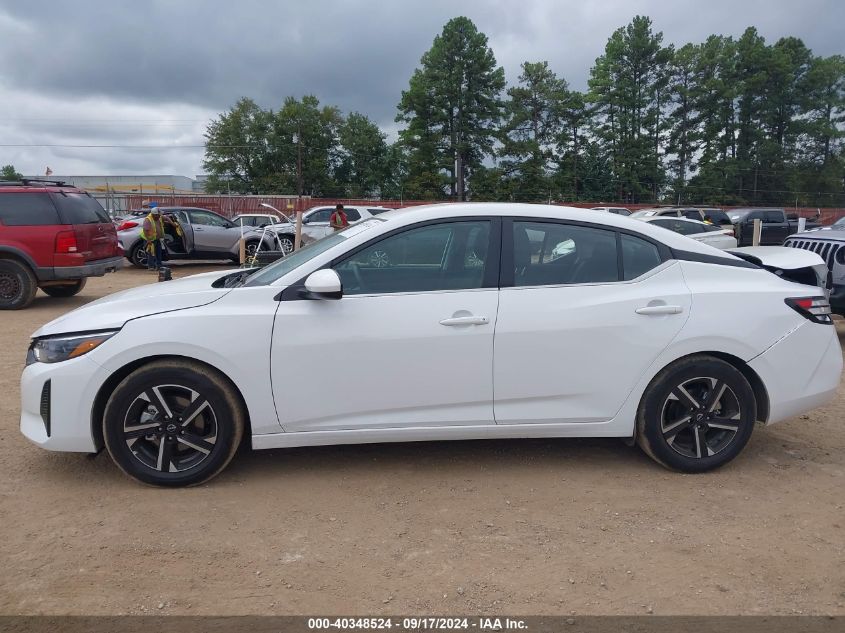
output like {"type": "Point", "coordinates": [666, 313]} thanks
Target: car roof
{"type": "Point", "coordinates": [411, 215]}
{"type": "Point", "coordinates": [12, 187]}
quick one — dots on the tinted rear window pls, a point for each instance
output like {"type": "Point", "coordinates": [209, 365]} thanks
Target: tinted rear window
{"type": "Point", "coordinates": [376, 211]}
{"type": "Point", "coordinates": [79, 208]}
{"type": "Point", "coordinates": [27, 209]}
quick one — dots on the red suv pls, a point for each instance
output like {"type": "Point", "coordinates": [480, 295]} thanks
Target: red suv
{"type": "Point", "coordinates": [52, 237]}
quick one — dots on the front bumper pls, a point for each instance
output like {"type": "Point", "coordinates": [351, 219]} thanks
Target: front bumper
{"type": "Point", "coordinates": [801, 371]}
{"type": "Point", "coordinates": [73, 387]}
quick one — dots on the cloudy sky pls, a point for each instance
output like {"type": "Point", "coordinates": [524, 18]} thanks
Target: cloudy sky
{"type": "Point", "coordinates": [127, 86]}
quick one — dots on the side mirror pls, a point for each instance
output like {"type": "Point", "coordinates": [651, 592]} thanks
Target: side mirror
{"type": "Point", "coordinates": [323, 284]}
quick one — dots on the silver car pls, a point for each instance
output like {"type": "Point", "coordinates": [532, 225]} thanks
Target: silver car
{"type": "Point", "coordinates": [205, 235]}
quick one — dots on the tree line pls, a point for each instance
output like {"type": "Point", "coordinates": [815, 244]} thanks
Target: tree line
{"type": "Point", "coordinates": [726, 121]}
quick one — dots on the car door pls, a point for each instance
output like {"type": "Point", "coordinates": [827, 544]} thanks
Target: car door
{"type": "Point", "coordinates": [583, 312]}
{"type": "Point", "coordinates": [316, 223]}
{"type": "Point", "coordinates": [213, 233]}
{"type": "Point", "coordinates": [410, 344]}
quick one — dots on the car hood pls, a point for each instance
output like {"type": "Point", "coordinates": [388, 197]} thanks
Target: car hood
{"type": "Point", "coordinates": [113, 311]}
{"type": "Point", "coordinates": [822, 233]}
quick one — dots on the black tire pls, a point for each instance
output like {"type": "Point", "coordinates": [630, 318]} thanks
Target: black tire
{"type": "Point", "coordinates": [138, 255]}
{"type": "Point", "coordinates": [17, 285]}
{"type": "Point", "coordinates": [66, 290]}
{"type": "Point", "coordinates": [146, 435]}
{"type": "Point", "coordinates": [696, 415]}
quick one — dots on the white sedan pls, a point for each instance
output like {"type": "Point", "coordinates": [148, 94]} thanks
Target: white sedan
{"type": "Point", "coordinates": [483, 321]}
{"type": "Point", "coordinates": [712, 234]}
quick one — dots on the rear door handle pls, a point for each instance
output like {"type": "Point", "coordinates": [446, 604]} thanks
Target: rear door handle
{"type": "Point", "coordinates": [661, 309]}
{"type": "Point", "coordinates": [466, 320]}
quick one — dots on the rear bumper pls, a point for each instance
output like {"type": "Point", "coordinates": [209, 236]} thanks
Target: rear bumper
{"type": "Point", "coordinates": [96, 268]}
{"type": "Point", "coordinates": [801, 371]}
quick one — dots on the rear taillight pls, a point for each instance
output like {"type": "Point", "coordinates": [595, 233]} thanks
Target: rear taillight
{"type": "Point", "coordinates": [129, 224]}
{"type": "Point", "coordinates": [816, 309]}
{"type": "Point", "coordinates": [66, 242]}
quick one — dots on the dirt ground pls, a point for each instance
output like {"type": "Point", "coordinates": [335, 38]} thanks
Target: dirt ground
{"type": "Point", "coordinates": [493, 527]}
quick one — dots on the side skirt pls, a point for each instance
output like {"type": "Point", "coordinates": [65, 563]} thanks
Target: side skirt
{"type": "Point", "coordinates": [428, 434]}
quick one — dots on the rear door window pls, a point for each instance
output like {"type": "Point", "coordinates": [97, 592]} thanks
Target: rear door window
{"type": "Point", "coordinates": [773, 217]}
{"type": "Point", "coordinates": [27, 209]}
{"type": "Point", "coordinates": [638, 256]}
{"type": "Point", "coordinates": [551, 253]}
{"type": "Point", "coordinates": [79, 208]}
{"type": "Point", "coordinates": [352, 215]}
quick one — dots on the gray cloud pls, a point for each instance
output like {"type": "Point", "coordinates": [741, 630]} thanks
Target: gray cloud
{"type": "Point", "coordinates": [182, 61]}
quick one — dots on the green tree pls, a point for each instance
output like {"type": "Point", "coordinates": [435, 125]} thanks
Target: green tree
{"type": "Point", "coordinates": [363, 167]}
{"type": "Point", "coordinates": [684, 133]}
{"type": "Point", "coordinates": [572, 141]}
{"type": "Point", "coordinates": [305, 148]}
{"type": "Point", "coordinates": [627, 87]}
{"type": "Point", "coordinates": [8, 172]}
{"type": "Point", "coordinates": [452, 108]}
{"type": "Point", "coordinates": [534, 121]}
{"type": "Point", "coordinates": [237, 152]}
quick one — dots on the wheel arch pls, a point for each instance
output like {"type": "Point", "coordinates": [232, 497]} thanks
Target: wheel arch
{"type": "Point", "coordinates": [8, 252]}
{"type": "Point", "coordinates": [107, 388]}
{"type": "Point", "coordinates": [761, 395]}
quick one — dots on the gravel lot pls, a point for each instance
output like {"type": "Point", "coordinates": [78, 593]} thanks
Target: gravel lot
{"type": "Point", "coordinates": [496, 527]}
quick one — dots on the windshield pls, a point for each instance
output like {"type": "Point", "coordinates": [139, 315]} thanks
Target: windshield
{"type": "Point", "coordinates": [305, 254]}
{"type": "Point", "coordinates": [839, 222]}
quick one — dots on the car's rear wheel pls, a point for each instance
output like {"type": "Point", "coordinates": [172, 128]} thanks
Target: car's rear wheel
{"type": "Point", "coordinates": [17, 285]}
{"type": "Point", "coordinates": [65, 290]}
{"type": "Point", "coordinates": [173, 423]}
{"type": "Point", "coordinates": [696, 415]}
{"type": "Point", "coordinates": [138, 255]}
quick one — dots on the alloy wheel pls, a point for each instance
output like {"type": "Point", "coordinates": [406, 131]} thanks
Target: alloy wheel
{"type": "Point", "coordinates": [139, 256]}
{"type": "Point", "coordinates": [170, 428]}
{"type": "Point", "coordinates": [701, 417]}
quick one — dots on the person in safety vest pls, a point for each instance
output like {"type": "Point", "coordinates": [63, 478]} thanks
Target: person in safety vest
{"type": "Point", "coordinates": [338, 219]}
{"type": "Point", "coordinates": [152, 232]}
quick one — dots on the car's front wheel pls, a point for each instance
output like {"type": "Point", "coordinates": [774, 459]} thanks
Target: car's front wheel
{"type": "Point", "coordinates": [173, 423]}
{"type": "Point", "coordinates": [286, 244]}
{"type": "Point", "coordinates": [696, 415]}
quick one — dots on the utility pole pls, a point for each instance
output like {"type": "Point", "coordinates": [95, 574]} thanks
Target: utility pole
{"type": "Point", "coordinates": [297, 240]}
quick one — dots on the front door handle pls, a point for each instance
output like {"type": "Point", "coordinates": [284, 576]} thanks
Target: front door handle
{"type": "Point", "coordinates": [660, 309]}
{"type": "Point", "coordinates": [466, 320]}
{"type": "Point", "coordinates": [198, 228]}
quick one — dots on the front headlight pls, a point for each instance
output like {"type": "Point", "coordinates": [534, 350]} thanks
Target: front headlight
{"type": "Point", "coordinates": [55, 349]}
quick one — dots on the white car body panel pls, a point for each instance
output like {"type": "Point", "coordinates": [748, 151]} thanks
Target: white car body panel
{"type": "Point", "coordinates": [547, 369]}
{"type": "Point", "coordinates": [299, 369]}
{"type": "Point", "coordinates": [398, 340]}
{"type": "Point", "coordinates": [118, 308]}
